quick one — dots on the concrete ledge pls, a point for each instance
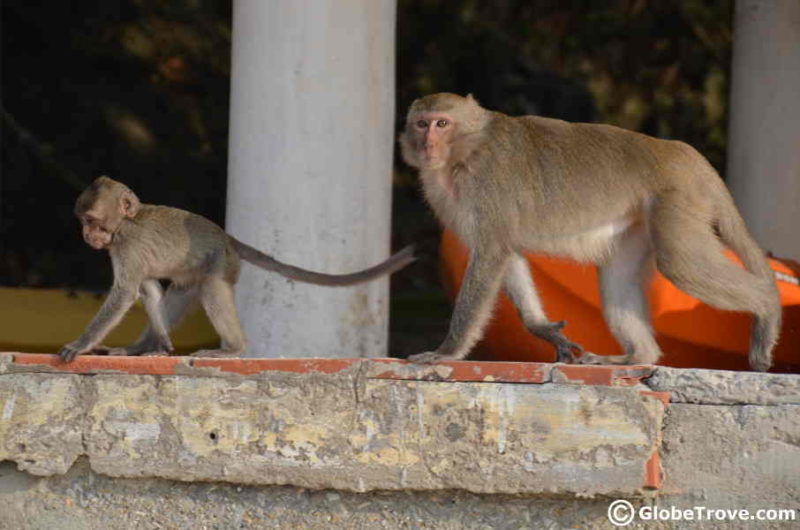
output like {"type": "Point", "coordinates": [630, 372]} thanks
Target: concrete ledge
{"type": "Point", "coordinates": [348, 424]}
{"type": "Point", "coordinates": [719, 387]}
{"type": "Point", "coordinates": [85, 500]}
{"type": "Point", "coordinates": [459, 371]}
{"type": "Point", "coordinates": [733, 456]}
{"type": "Point", "coordinates": [727, 439]}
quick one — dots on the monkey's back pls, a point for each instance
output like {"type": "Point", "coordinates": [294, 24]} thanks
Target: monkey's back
{"type": "Point", "coordinates": [550, 164]}
{"type": "Point", "coordinates": [178, 245]}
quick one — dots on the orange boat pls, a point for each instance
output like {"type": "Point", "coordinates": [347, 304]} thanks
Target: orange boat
{"type": "Point", "coordinates": [690, 333]}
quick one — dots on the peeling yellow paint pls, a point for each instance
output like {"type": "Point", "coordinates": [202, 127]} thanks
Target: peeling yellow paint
{"type": "Point", "coordinates": [388, 456]}
{"type": "Point", "coordinates": [296, 441]}
{"type": "Point", "coordinates": [24, 408]}
{"type": "Point", "coordinates": [387, 434]}
{"type": "Point", "coordinates": [130, 403]}
{"type": "Point", "coordinates": [34, 405]}
{"type": "Point", "coordinates": [498, 418]}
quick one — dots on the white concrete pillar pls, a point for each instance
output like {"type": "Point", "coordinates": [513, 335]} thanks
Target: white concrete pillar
{"type": "Point", "coordinates": [309, 180]}
{"type": "Point", "coordinates": [764, 134]}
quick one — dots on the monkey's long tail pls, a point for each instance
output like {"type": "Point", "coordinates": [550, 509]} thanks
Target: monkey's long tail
{"type": "Point", "coordinates": [734, 233]}
{"type": "Point", "coordinates": [394, 263]}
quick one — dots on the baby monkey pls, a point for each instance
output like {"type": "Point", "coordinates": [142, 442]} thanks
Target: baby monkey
{"type": "Point", "coordinates": [148, 243]}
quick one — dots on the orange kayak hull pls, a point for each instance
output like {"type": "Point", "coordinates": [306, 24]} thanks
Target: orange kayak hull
{"type": "Point", "coordinates": [690, 333]}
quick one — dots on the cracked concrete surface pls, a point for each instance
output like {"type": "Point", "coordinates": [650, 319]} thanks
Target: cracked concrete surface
{"type": "Point", "coordinates": [313, 430]}
{"type": "Point", "coordinates": [117, 450]}
{"type": "Point", "coordinates": [720, 387]}
{"type": "Point", "coordinates": [85, 500]}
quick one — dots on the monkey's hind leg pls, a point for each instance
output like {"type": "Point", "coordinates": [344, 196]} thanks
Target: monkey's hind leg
{"type": "Point", "coordinates": [216, 295]}
{"type": "Point", "coordinates": [155, 338]}
{"type": "Point", "coordinates": [624, 302]}
{"type": "Point", "coordinates": [520, 288]}
{"type": "Point", "coordinates": [690, 255]}
{"type": "Point", "coordinates": [171, 310]}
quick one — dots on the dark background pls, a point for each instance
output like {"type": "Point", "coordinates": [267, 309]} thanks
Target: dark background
{"type": "Point", "coordinates": [138, 90]}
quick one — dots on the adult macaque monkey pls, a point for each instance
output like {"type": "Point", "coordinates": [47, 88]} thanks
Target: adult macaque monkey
{"type": "Point", "coordinates": [149, 242]}
{"type": "Point", "coordinates": [594, 193]}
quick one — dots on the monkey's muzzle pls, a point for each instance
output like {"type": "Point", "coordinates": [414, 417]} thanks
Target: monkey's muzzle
{"type": "Point", "coordinates": [97, 240]}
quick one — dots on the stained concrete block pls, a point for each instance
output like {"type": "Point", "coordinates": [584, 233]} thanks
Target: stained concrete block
{"type": "Point", "coordinates": [743, 456]}
{"type": "Point", "coordinates": [41, 421]}
{"type": "Point", "coordinates": [506, 438]}
{"type": "Point", "coordinates": [192, 432]}
{"type": "Point", "coordinates": [331, 431]}
{"type": "Point", "coordinates": [84, 500]}
{"type": "Point", "coordinates": [341, 430]}
{"type": "Point", "coordinates": [724, 387]}
{"type": "Point", "coordinates": [274, 429]}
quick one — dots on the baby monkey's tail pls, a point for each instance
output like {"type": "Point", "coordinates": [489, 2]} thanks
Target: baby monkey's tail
{"type": "Point", "coordinates": [393, 264]}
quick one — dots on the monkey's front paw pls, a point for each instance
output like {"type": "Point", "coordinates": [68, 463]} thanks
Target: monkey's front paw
{"type": "Point", "coordinates": [70, 351]}
{"type": "Point", "coordinates": [429, 357]}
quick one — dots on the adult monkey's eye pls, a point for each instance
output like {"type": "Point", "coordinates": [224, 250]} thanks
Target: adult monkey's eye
{"type": "Point", "coordinates": [422, 124]}
{"type": "Point", "coordinates": [441, 123]}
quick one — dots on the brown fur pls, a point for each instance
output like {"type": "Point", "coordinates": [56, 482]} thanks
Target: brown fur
{"type": "Point", "coordinates": [594, 193]}
{"type": "Point", "coordinates": [148, 243]}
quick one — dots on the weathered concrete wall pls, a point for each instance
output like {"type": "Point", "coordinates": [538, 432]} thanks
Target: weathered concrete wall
{"type": "Point", "coordinates": [358, 428]}
{"type": "Point", "coordinates": [731, 439]}
{"type": "Point", "coordinates": [85, 500]}
{"type": "Point", "coordinates": [117, 439]}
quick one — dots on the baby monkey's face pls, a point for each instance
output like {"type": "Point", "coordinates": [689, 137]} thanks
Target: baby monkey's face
{"type": "Point", "coordinates": [101, 209]}
{"type": "Point", "coordinates": [97, 231]}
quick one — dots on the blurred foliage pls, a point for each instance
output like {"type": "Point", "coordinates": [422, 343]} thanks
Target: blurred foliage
{"type": "Point", "coordinates": [138, 89]}
{"type": "Point", "coordinates": [134, 89]}
{"type": "Point", "coordinates": [657, 66]}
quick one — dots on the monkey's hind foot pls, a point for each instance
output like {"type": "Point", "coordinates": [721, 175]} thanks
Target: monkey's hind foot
{"type": "Point", "coordinates": [113, 352]}
{"type": "Point", "coordinates": [430, 357]}
{"type": "Point", "coordinates": [130, 352]}
{"type": "Point", "coordinates": [216, 354]}
{"type": "Point", "coordinates": [565, 348]}
{"type": "Point", "coordinates": [592, 358]}
{"type": "Point", "coordinates": [760, 361]}
{"type": "Point", "coordinates": [102, 350]}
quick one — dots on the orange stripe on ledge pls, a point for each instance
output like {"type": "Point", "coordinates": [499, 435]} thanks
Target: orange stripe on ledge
{"type": "Point", "coordinates": [613, 375]}
{"type": "Point", "coordinates": [452, 371]}
{"type": "Point", "coordinates": [254, 366]}
{"type": "Point", "coordinates": [85, 364]}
